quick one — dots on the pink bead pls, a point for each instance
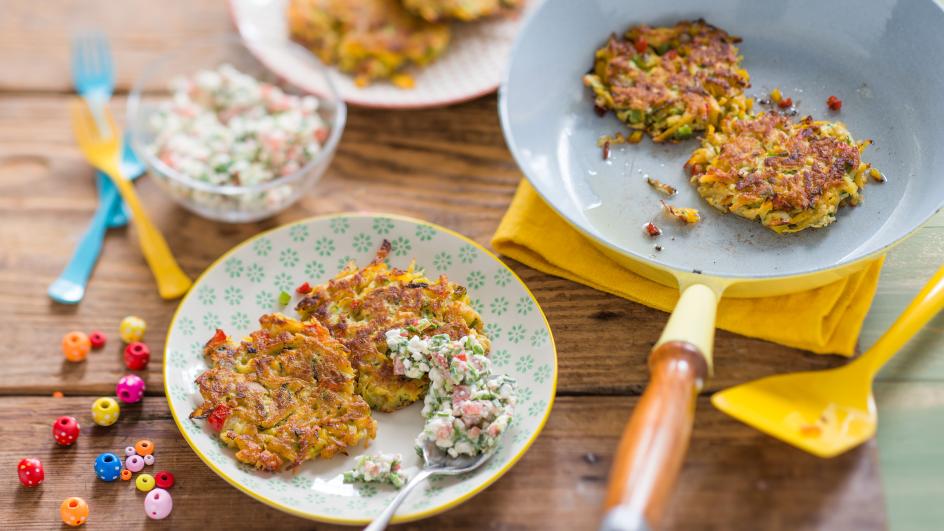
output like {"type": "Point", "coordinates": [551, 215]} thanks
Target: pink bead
{"type": "Point", "coordinates": [158, 504]}
{"type": "Point", "coordinates": [134, 463]}
{"type": "Point", "coordinates": [149, 459]}
{"type": "Point", "coordinates": [130, 388]}
{"type": "Point", "coordinates": [129, 451]}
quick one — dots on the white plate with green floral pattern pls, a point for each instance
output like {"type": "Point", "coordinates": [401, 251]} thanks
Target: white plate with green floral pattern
{"type": "Point", "coordinates": [244, 284]}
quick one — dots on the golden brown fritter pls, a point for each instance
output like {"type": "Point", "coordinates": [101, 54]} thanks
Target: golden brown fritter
{"type": "Point", "coordinates": [284, 395]}
{"type": "Point", "coordinates": [670, 81]}
{"type": "Point", "coordinates": [788, 175]}
{"type": "Point", "coordinates": [359, 305]}
{"type": "Point", "coordinates": [371, 39]}
{"type": "Point", "coordinates": [465, 10]}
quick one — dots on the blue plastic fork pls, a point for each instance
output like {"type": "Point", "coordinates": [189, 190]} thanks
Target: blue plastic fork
{"type": "Point", "coordinates": [93, 76]}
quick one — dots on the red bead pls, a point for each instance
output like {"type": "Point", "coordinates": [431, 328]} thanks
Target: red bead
{"type": "Point", "coordinates": [137, 356]}
{"type": "Point", "coordinates": [30, 471]}
{"type": "Point", "coordinates": [164, 479]}
{"type": "Point", "coordinates": [65, 430]}
{"type": "Point", "coordinates": [98, 339]}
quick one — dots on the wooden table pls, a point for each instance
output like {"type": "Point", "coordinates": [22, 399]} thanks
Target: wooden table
{"type": "Point", "coordinates": [448, 165]}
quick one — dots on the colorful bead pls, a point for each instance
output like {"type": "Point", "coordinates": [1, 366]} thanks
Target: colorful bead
{"type": "Point", "coordinates": [105, 411]}
{"type": "Point", "coordinates": [76, 346]}
{"type": "Point", "coordinates": [164, 479]}
{"type": "Point", "coordinates": [107, 467]}
{"type": "Point", "coordinates": [137, 356]}
{"type": "Point", "coordinates": [125, 474]}
{"type": "Point", "coordinates": [158, 504]}
{"type": "Point", "coordinates": [134, 463]}
{"type": "Point", "coordinates": [65, 430]}
{"type": "Point", "coordinates": [132, 329]}
{"type": "Point", "coordinates": [130, 389]}
{"type": "Point", "coordinates": [97, 339]}
{"type": "Point", "coordinates": [149, 459]}
{"type": "Point", "coordinates": [145, 482]}
{"type": "Point", "coordinates": [74, 511]}
{"type": "Point", "coordinates": [129, 451]}
{"type": "Point", "coordinates": [31, 472]}
{"type": "Point", "coordinates": [144, 447]}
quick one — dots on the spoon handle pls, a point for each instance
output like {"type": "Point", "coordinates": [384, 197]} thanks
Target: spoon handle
{"type": "Point", "coordinates": [380, 523]}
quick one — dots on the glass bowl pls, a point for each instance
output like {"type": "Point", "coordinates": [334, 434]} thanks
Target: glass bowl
{"type": "Point", "coordinates": [231, 203]}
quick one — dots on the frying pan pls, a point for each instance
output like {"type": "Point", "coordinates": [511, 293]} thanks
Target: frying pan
{"type": "Point", "coordinates": [882, 58]}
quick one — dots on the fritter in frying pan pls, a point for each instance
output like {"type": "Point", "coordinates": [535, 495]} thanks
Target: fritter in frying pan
{"type": "Point", "coordinates": [284, 395]}
{"type": "Point", "coordinates": [360, 305]}
{"type": "Point", "coordinates": [788, 175]}
{"type": "Point", "coordinates": [670, 81]}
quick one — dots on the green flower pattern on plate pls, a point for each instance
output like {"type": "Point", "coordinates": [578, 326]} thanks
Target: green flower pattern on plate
{"type": "Point", "coordinates": [233, 295]}
{"type": "Point", "coordinates": [442, 261]}
{"type": "Point", "coordinates": [206, 295]}
{"type": "Point", "coordinates": [340, 225]}
{"type": "Point", "coordinates": [288, 257]}
{"type": "Point", "coordinates": [240, 321]}
{"type": "Point", "coordinates": [516, 334]}
{"type": "Point", "coordinates": [425, 232]}
{"type": "Point", "coordinates": [298, 233]}
{"type": "Point", "coordinates": [314, 271]}
{"type": "Point", "coordinates": [324, 246]}
{"type": "Point", "coordinates": [283, 282]}
{"type": "Point", "coordinates": [255, 273]}
{"type": "Point", "coordinates": [475, 280]}
{"type": "Point", "coordinates": [262, 247]}
{"type": "Point", "coordinates": [383, 226]}
{"type": "Point", "coordinates": [400, 246]}
{"type": "Point", "coordinates": [524, 363]}
{"type": "Point", "coordinates": [467, 254]}
{"type": "Point", "coordinates": [499, 305]}
{"type": "Point", "coordinates": [246, 284]}
{"type": "Point", "coordinates": [234, 268]}
{"type": "Point", "coordinates": [343, 261]}
{"type": "Point", "coordinates": [362, 243]}
{"type": "Point", "coordinates": [524, 305]}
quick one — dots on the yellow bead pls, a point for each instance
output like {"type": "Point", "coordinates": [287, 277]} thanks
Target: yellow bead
{"type": "Point", "coordinates": [144, 482]}
{"type": "Point", "coordinates": [132, 329]}
{"type": "Point", "coordinates": [105, 411]}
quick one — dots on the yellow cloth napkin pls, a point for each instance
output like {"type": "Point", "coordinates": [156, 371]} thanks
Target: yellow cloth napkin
{"type": "Point", "coordinates": [823, 320]}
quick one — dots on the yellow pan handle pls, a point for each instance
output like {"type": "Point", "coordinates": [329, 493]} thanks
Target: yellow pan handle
{"type": "Point", "coordinates": [172, 282]}
{"type": "Point", "coordinates": [926, 305]}
{"type": "Point", "coordinates": [655, 441]}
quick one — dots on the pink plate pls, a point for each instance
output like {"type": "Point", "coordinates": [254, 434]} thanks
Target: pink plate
{"type": "Point", "coordinates": [472, 66]}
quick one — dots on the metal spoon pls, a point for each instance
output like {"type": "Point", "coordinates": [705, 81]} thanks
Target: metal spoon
{"type": "Point", "coordinates": [437, 462]}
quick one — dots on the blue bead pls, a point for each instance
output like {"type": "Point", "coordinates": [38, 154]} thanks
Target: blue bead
{"type": "Point", "coordinates": [107, 467]}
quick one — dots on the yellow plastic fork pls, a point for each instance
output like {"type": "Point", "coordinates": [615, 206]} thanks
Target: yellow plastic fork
{"type": "Point", "coordinates": [104, 152]}
{"type": "Point", "coordinates": [829, 412]}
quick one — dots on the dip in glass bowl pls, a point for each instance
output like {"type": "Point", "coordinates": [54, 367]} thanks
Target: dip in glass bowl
{"type": "Point", "coordinates": [226, 138]}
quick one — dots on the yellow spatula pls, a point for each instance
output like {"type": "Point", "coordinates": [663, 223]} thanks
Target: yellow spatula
{"type": "Point", "coordinates": [829, 412]}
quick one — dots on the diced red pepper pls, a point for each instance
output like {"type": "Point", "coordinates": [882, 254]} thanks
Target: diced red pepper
{"type": "Point", "coordinates": [834, 103]}
{"type": "Point", "coordinates": [321, 135]}
{"type": "Point", "coordinates": [304, 288]}
{"type": "Point", "coordinates": [218, 417]}
{"type": "Point", "coordinates": [652, 230]}
{"type": "Point", "coordinates": [641, 45]}
{"type": "Point", "coordinates": [218, 337]}
{"type": "Point", "coordinates": [785, 103]}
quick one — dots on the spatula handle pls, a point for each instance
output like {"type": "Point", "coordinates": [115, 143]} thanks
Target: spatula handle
{"type": "Point", "coordinates": [653, 445]}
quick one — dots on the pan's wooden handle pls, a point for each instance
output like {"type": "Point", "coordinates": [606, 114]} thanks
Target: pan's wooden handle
{"type": "Point", "coordinates": [654, 442]}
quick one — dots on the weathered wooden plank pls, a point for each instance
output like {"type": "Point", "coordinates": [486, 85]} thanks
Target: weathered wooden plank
{"type": "Point", "coordinates": [733, 476]}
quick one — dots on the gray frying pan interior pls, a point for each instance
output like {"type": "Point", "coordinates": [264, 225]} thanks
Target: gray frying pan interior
{"type": "Point", "coordinates": [883, 58]}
